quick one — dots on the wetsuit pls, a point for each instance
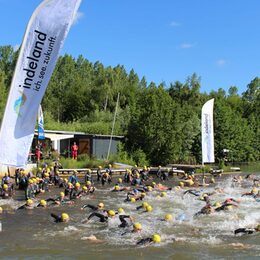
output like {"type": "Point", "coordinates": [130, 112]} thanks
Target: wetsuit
{"type": "Point", "coordinates": [245, 230]}
{"type": "Point", "coordinates": [94, 208]}
{"type": "Point", "coordinates": [145, 241]}
{"type": "Point", "coordinates": [75, 194]}
{"type": "Point", "coordinates": [57, 218]}
{"type": "Point", "coordinates": [124, 223]}
{"type": "Point", "coordinates": [193, 192]}
{"type": "Point", "coordinates": [102, 218]}
{"type": "Point", "coordinates": [205, 210]}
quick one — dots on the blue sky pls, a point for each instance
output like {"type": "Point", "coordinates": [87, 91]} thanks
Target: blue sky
{"type": "Point", "coordinates": [164, 40]}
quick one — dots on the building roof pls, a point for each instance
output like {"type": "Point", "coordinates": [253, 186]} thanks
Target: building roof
{"type": "Point", "coordinates": [67, 133]}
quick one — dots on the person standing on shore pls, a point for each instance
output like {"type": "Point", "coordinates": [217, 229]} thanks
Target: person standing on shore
{"type": "Point", "coordinates": [74, 151]}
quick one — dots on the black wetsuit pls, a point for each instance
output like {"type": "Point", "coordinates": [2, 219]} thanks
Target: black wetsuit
{"type": "Point", "coordinates": [193, 192]}
{"type": "Point", "coordinates": [245, 230]}
{"type": "Point", "coordinates": [57, 218]}
{"type": "Point", "coordinates": [145, 241]}
{"type": "Point", "coordinates": [124, 223]}
{"type": "Point", "coordinates": [102, 218]}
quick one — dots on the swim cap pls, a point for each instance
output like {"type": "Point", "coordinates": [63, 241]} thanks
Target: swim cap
{"type": "Point", "coordinates": [84, 188]}
{"type": "Point", "coordinates": [101, 205]}
{"type": "Point", "coordinates": [62, 194]}
{"type": "Point", "coordinates": [46, 174]}
{"type": "Point", "coordinates": [156, 238]}
{"type": "Point", "coordinates": [111, 213]}
{"type": "Point", "coordinates": [217, 204]}
{"type": "Point", "coordinates": [135, 190]}
{"type": "Point", "coordinates": [100, 167]}
{"type": "Point", "coordinates": [120, 210]}
{"type": "Point", "coordinates": [143, 194]}
{"type": "Point", "coordinates": [29, 202]}
{"type": "Point", "coordinates": [43, 203]}
{"type": "Point", "coordinates": [5, 186]}
{"type": "Point", "coordinates": [120, 180]}
{"type": "Point", "coordinates": [88, 183]}
{"type": "Point", "coordinates": [137, 226]}
{"type": "Point", "coordinates": [132, 200]}
{"type": "Point", "coordinates": [116, 187]}
{"type": "Point", "coordinates": [168, 217]}
{"type": "Point", "coordinates": [64, 217]}
{"type": "Point", "coordinates": [163, 194]}
{"type": "Point", "coordinates": [77, 184]}
{"type": "Point", "coordinates": [149, 208]}
{"type": "Point", "coordinates": [229, 207]}
{"type": "Point", "coordinates": [145, 204]}
{"type": "Point", "coordinates": [30, 181]}
{"type": "Point", "coordinates": [149, 188]}
{"type": "Point", "coordinates": [254, 190]}
{"type": "Point", "coordinates": [181, 184]}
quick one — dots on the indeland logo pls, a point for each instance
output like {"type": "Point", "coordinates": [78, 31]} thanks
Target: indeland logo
{"type": "Point", "coordinates": [19, 102]}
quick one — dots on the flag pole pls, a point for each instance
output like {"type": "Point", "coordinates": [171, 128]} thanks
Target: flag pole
{"type": "Point", "coordinates": [113, 126]}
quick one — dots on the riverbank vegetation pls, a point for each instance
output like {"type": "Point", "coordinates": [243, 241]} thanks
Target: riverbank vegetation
{"type": "Point", "coordinates": [161, 123]}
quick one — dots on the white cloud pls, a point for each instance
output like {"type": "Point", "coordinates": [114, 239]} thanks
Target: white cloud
{"type": "Point", "coordinates": [187, 45]}
{"type": "Point", "coordinates": [77, 16]}
{"type": "Point", "coordinates": [174, 24]}
{"type": "Point", "coordinates": [221, 62]}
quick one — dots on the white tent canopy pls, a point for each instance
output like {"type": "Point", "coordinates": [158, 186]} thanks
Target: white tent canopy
{"type": "Point", "coordinates": [56, 137]}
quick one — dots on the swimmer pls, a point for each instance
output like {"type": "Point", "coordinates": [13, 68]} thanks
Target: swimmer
{"type": "Point", "coordinates": [99, 207]}
{"type": "Point", "coordinates": [253, 192]}
{"type": "Point", "coordinates": [193, 192]}
{"type": "Point", "coordinates": [64, 217]}
{"type": "Point", "coordinates": [60, 200]}
{"type": "Point", "coordinates": [117, 188]}
{"type": "Point", "coordinates": [101, 217]}
{"type": "Point", "coordinates": [206, 210]}
{"type": "Point", "coordinates": [248, 230]}
{"type": "Point", "coordinates": [147, 241]}
{"type": "Point", "coordinates": [42, 204]}
{"type": "Point", "coordinates": [76, 192]}
{"type": "Point", "coordinates": [123, 221]}
{"type": "Point", "coordinates": [27, 205]}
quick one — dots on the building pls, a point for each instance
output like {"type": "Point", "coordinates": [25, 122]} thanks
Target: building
{"type": "Point", "coordinates": [94, 145]}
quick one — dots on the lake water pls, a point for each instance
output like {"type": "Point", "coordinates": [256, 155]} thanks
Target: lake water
{"type": "Point", "coordinates": [32, 234]}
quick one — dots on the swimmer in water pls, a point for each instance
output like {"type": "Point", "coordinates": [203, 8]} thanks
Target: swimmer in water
{"type": "Point", "coordinates": [253, 192]}
{"type": "Point", "coordinates": [42, 204]}
{"type": "Point", "coordinates": [99, 207]}
{"type": "Point", "coordinates": [149, 240]}
{"type": "Point", "coordinates": [27, 205]}
{"type": "Point", "coordinates": [103, 218]}
{"type": "Point", "coordinates": [64, 217]}
{"type": "Point", "coordinates": [247, 230]}
{"type": "Point", "coordinates": [206, 210]}
{"type": "Point", "coordinates": [60, 200]}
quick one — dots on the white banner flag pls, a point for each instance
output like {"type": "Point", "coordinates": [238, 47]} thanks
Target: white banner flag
{"type": "Point", "coordinates": [43, 39]}
{"type": "Point", "coordinates": [207, 132]}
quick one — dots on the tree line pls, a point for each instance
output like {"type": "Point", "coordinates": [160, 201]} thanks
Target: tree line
{"type": "Point", "coordinates": [161, 123]}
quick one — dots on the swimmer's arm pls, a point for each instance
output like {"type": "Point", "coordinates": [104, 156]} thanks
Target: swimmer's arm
{"type": "Point", "coordinates": [56, 217]}
{"type": "Point", "coordinates": [244, 230]}
{"type": "Point", "coordinates": [144, 241]}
